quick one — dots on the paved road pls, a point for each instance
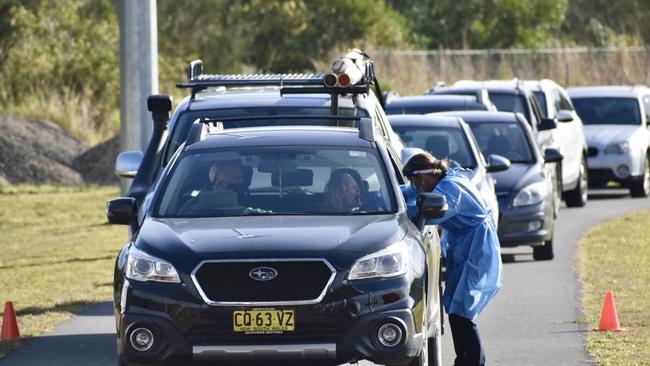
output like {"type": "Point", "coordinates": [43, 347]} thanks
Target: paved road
{"type": "Point", "coordinates": [533, 321]}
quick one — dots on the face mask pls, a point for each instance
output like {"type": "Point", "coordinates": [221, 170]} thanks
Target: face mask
{"type": "Point", "coordinates": [416, 188]}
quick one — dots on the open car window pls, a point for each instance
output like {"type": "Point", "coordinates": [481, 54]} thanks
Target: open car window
{"type": "Point", "coordinates": [277, 180]}
{"type": "Point", "coordinates": [441, 142]}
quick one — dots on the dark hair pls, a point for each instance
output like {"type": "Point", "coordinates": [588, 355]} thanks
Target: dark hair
{"type": "Point", "coordinates": [332, 193]}
{"type": "Point", "coordinates": [423, 161]}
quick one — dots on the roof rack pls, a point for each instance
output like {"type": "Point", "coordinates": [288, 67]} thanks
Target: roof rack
{"type": "Point", "coordinates": [202, 127]}
{"type": "Point", "coordinates": [351, 74]}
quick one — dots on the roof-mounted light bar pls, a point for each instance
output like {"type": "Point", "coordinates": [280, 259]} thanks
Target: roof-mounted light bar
{"type": "Point", "coordinates": [353, 68]}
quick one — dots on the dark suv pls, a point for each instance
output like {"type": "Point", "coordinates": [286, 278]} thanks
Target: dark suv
{"type": "Point", "coordinates": [244, 254]}
{"type": "Point", "coordinates": [237, 247]}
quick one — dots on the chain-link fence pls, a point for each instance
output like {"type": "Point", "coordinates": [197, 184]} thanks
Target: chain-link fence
{"type": "Point", "coordinates": [412, 72]}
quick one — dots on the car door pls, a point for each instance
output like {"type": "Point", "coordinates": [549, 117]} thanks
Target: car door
{"type": "Point", "coordinates": [570, 139]}
{"type": "Point", "coordinates": [430, 239]}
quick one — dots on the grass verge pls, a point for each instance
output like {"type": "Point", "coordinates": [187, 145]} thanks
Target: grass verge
{"type": "Point", "coordinates": [616, 256]}
{"type": "Point", "coordinates": [57, 253]}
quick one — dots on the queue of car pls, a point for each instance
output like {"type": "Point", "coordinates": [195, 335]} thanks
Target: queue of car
{"type": "Point", "coordinates": [242, 247]}
{"type": "Point", "coordinates": [567, 156]}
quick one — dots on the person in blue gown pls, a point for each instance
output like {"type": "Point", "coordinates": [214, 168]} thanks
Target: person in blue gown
{"type": "Point", "coordinates": [472, 255]}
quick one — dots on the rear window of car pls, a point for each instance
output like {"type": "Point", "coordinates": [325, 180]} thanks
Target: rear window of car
{"type": "Point", "coordinates": [434, 107]}
{"type": "Point", "coordinates": [185, 120]}
{"type": "Point", "coordinates": [615, 111]}
{"type": "Point", "coordinates": [505, 139]}
{"type": "Point", "coordinates": [277, 180]}
{"type": "Point", "coordinates": [443, 143]}
{"type": "Point", "coordinates": [510, 103]}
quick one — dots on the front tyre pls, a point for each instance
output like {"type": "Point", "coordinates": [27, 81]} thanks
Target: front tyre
{"type": "Point", "coordinates": [641, 187]}
{"type": "Point", "coordinates": [435, 348]}
{"type": "Point", "coordinates": [544, 252]}
{"type": "Point", "coordinates": [577, 197]}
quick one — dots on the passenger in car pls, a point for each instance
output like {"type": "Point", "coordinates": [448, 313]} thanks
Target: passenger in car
{"type": "Point", "coordinates": [473, 260]}
{"type": "Point", "coordinates": [343, 191]}
{"type": "Point", "coordinates": [225, 174]}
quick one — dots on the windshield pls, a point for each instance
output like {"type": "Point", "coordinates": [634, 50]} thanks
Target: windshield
{"type": "Point", "coordinates": [185, 120]}
{"type": "Point", "coordinates": [277, 180]}
{"type": "Point", "coordinates": [510, 103]}
{"type": "Point", "coordinates": [613, 111]}
{"type": "Point", "coordinates": [505, 139]}
{"type": "Point", "coordinates": [441, 142]}
{"type": "Point", "coordinates": [541, 100]}
{"type": "Point", "coordinates": [432, 108]}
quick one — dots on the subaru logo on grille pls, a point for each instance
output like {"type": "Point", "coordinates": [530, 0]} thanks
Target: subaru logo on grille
{"type": "Point", "coordinates": [263, 273]}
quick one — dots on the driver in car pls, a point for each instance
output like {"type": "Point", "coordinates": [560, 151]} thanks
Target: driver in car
{"type": "Point", "coordinates": [343, 192]}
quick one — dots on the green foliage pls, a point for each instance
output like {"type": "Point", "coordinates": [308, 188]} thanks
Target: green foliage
{"type": "Point", "coordinates": [483, 24]}
{"type": "Point", "coordinates": [59, 60]}
{"type": "Point", "coordinates": [274, 36]}
{"type": "Point", "coordinates": [517, 23]}
{"type": "Point", "coordinates": [605, 23]}
{"type": "Point", "coordinates": [62, 48]}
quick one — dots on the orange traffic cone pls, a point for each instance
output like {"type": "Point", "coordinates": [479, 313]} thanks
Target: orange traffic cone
{"type": "Point", "coordinates": [9, 323]}
{"type": "Point", "coordinates": [609, 316]}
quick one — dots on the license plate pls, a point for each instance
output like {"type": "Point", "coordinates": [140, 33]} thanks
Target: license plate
{"type": "Point", "coordinates": [263, 321]}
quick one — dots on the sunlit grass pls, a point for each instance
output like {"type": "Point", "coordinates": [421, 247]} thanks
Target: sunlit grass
{"type": "Point", "coordinates": [57, 253]}
{"type": "Point", "coordinates": [616, 256]}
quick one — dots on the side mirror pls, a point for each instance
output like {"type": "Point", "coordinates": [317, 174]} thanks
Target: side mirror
{"type": "Point", "coordinates": [127, 163]}
{"type": "Point", "coordinates": [552, 156]}
{"type": "Point", "coordinates": [497, 163]}
{"type": "Point", "coordinates": [122, 211]}
{"type": "Point", "coordinates": [546, 124]}
{"type": "Point", "coordinates": [431, 205]}
{"type": "Point", "coordinates": [564, 116]}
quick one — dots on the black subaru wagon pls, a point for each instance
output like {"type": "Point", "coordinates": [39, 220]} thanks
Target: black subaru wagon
{"type": "Point", "coordinates": [243, 253]}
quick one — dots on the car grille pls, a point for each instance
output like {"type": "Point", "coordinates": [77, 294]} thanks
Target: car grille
{"type": "Point", "coordinates": [592, 151]}
{"type": "Point", "coordinates": [297, 281]}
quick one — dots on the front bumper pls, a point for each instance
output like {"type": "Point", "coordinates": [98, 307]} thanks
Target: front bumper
{"type": "Point", "coordinates": [341, 328]}
{"type": "Point", "coordinates": [528, 225]}
{"type": "Point", "coordinates": [607, 167]}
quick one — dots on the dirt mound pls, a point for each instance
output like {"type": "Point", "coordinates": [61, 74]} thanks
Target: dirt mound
{"type": "Point", "coordinates": [97, 164]}
{"type": "Point", "coordinates": [41, 152]}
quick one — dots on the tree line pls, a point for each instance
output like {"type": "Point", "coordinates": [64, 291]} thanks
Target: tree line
{"type": "Point", "coordinates": [70, 48]}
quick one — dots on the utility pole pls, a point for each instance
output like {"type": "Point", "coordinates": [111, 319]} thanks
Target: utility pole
{"type": "Point", "coordinates": [138, 73]}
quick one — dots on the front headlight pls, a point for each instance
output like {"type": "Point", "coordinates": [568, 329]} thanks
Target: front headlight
{"type": "Point", "coordinates": [530, 195]}
{"type": "Point", "coordinates": [144, 267]}
{"type": "Point", "coordinates": [388, 262]}
{"type": "Point", "coordinates": [618, 148]}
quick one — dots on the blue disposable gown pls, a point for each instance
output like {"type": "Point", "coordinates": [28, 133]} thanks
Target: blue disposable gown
{"type": "Point", "coordinates": [472, 258]}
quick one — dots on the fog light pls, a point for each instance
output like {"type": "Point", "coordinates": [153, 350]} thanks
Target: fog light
{"type": "Point", "coordinates": [534, 225]}
{"type": "Point", "coordinates": [623, 170]}
{"type": "Point", "coordinates": [141, 339]}
{"type": "Point", "coordinates": [389, 335]}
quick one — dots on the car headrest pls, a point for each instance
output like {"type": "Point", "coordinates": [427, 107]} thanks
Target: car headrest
{"type": "Point", "coordinates": [297, 178]}
{"type": "Point", "coordinates": [499, 145]}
